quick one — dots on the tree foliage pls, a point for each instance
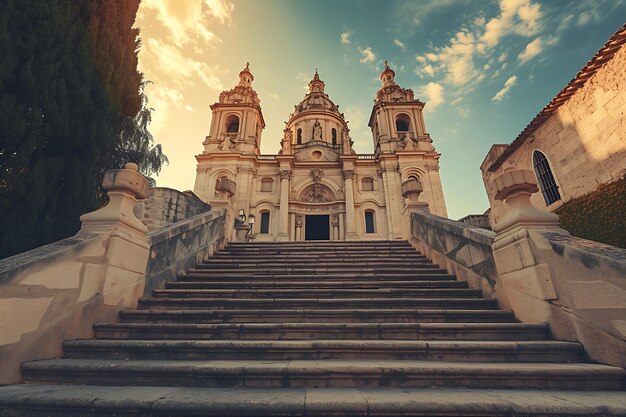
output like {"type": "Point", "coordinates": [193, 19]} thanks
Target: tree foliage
{"type": "Point", "coordinates": [68, 87]}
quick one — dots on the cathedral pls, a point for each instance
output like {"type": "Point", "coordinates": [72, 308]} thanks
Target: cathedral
{"type": "Point", "coordinates": [317, 187]}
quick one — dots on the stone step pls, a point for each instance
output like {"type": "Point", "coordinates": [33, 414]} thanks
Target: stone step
{"type": "Point", "coordinates": [276, 269]}
{"type": "Point", "coordinates": [309, 263]}
{"type": "Point", "coordinates": [312, 331]}
{"type": "Point", "coordinates": [206, 275]}
{"type": "Point", "coordinates": [134, 401]}
{"type": "Point", "coordinates": [308, 293]}
{"type": "Point", "coordinates": [301, 315]}
{"type": "Point", "coordinates": [321, 243]}
{"type": "Point", "coordinates": [270, 350]}
{"type": "Point", "coordinates": [321, 256]}
{"type": "Point", "coordinates": [316, 284]}
{"type": "Point", "coordinates": [325, 374]}
{"type": "Point", "coordinates": [276, 303]}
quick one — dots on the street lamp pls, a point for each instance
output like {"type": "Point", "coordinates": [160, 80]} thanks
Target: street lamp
{"type": "Point", "coordinates": [242, 216]}
{"type": "Point", "coordinates": [250, 235]}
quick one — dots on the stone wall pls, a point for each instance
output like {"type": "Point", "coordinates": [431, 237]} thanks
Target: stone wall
{"type": "Point", "coordinates": [478, 220]}
{"type": "Point", "coordinates": [462, 249]}
{"type": "Point", "coordinates": [583, 139]}
{"type": "Point", "coordinates": [57, 291]}
{"type": "Point", "coordinates": [166, 206]}
{"type": "Point", "coordinates": [178, 247]}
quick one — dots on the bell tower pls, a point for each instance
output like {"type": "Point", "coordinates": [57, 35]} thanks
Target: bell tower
{"type": "Point", "coordinates": [237, 121]}
{"type": "Point", "coordinates": [397, 119]}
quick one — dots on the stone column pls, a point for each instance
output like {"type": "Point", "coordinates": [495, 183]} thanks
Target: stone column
{"type": "Point", "coordinates": [335, 223]}
{"type": "Point", "coordinates": [348, 175]}
{"type": "Point", "coordinates": [283, 225]}
{"type": "Point", "coordinates": [298, 235]}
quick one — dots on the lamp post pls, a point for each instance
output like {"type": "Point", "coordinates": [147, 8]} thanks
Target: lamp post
{"type": "Point", "coordinates": [250, 235]}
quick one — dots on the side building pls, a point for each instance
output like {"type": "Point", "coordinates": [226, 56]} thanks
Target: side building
{"type": "Point", "coordinates": [317, 187]}
{"type": "Point", "coordinates": [577, 142]}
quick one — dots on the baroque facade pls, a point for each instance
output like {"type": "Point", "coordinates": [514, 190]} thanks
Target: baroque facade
{"type": "Point", "coordinates": [317, 187]}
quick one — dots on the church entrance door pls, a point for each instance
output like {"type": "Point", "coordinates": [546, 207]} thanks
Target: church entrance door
{"type": "Point", "coordinates": [316, 227]}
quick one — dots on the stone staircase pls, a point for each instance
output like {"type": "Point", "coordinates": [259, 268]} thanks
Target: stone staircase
{"type": "Point", "coordinates": [317, 328]}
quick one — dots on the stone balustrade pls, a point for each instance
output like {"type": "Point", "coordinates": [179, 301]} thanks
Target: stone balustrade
{"type": "Point", "coordinates": [57, 291]}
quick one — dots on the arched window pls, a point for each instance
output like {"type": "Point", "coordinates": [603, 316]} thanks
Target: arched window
{"type": "Point", "coordinates": [217, 181]}
{"type": "Point", "coordinates": [299, 137]}
{"type": "Point", "coordinates": [403, 123]}
{"type": "Point", "coordinates": [367, 184]}
{"type": "Point", "coordinates": [334, 135]}
{"type": "Point", "coordinates": [369, 221]}
{"type": "Point", "coordinates": [232, 124]}
{"type": "Point", "coordinates": [267, 185]}
{"type": "Point", "coordinates": [545, 179]}
{"type": "Point", "coordinates": [264, 227]}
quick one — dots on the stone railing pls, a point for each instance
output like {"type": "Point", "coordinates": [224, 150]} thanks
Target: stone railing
{"type": "Point", "coordinates": [532, 266]}
{"type": "Point", "coordinates": [56, 292]}
{"type": "Point", "coordinates": [478, 220]}
{"type": "Point", "coordinates": [462, 249]}
{"type": "Point", "coordinates": [178, 247]}
{"type": "Point", "coordinates": [165, 206]}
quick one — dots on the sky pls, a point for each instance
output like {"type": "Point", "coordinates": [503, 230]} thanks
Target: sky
{"type": "Point", "coordinates": [483, 68]}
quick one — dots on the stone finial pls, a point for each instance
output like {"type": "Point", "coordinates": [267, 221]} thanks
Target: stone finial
{"type": "Point", "coordinates": [411, 190]}
{"type": "Point", "coordinates": [125, 186]}
{"type": "Point", "coordinates": [515, 187]}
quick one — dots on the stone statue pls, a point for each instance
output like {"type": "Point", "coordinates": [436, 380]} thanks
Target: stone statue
{"type": "Point", "coordinates": [316, 175]}
{"type": "Point", "coordinates": [286, 143]}
{"type": "Point", "coordinates": [317, 131]}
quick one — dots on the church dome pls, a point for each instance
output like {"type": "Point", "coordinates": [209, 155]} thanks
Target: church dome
{"type": "Point", "coordinates": [316, 100]}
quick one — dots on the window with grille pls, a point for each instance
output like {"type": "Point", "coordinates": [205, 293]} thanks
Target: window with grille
{"type": "Point", "coordinates": [265, 222]}
{"type": "Point", "coordinates": [545, 179]}
{"type": "Point", "coordinates": [369, 222]}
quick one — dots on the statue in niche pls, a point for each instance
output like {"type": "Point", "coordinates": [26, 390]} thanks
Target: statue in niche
{"type": "Point", "coordinates": [286, 143]}
{"type": "Point", "coordinates": [316, 195]}
{"type": "Point", "coordinates": [317, 131]}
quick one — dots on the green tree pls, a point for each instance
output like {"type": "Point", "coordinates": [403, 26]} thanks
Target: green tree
{"type": "Point", "coordinates": [68, 87]}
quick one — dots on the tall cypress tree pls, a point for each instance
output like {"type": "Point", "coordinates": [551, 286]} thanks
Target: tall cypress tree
{"type": "Point", "coordinates": [68, 86]}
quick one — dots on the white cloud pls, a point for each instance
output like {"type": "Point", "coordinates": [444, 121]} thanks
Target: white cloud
{"type": "Point", "coordinates": [503, 57]}
{"type": "Point", "coordinates": [507, 86]}
{"type": "Point", "coordinates": [188, 21]}
{"type": "Point", "coordinates": [533, 49]}
{"type": "Point", "coordinates": [428, 69]}
{"type": "Point", "coordinates": [273, 95]}
{"type": "Point", "coordinates": [434, 94]}
{"type": "Point", "coordinates": [457, 101]}
{"type": "Point", "coordinates": [359, 131]}
{"type": "Point", "coordinates": [521, 17]}
{"type": "Point", "coordinates": [164, 100]}
{"type": "Point", "coordinates": [188, 108]}
{"type": "Point", "coordinates": [368, 55]}
{"type": "Point", "coordinates": [399, 43]}
{"type": "Point", "coordinates": [420, 59]}
{"type": "Point", "coordinates": [345, 37]}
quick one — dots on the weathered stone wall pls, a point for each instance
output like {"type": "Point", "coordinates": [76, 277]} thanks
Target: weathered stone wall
{"type": "Point", "coordinates": [165, 206]}
{"type": "Point", "coordinates": [577, 286]}
{"type": "Point", "coordinates": [178, 247]}
{"type": "Point", "coordinates": [462, 249]}
{"type": "Point", "coordinates": [584, 139]}
{"type": "Point", "coordinates": [57, 291]}
{"type": "Point", "coordinates": [477, 220]}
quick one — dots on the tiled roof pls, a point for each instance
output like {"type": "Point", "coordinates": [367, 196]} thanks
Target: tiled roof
{"type": "Point", "coordinates": [603, 56]}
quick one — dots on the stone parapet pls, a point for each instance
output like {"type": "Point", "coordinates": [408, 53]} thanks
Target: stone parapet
{"type": "Point", "coordinates": [178, 247]}
{"type": "Point", "coordinates": [166, 206]}
{"type": "Point", "coordinates": [463, 249]}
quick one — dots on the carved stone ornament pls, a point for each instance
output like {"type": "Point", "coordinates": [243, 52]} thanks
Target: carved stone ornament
{"type": "Point", "coordinates": [286, 174]}
{"type": "Point", "coordinates": [348, 174]}
{"type": "Point", "coordinates": [316, 175]}
{"type": "Point", "coordinates": [316, 193]}
{"type": "Point", "coordinates": [298, 220]}
{"type": "Point", "coordinates": [335, 220]}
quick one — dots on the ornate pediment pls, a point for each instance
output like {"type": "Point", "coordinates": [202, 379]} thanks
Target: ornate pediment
{"type": "Point", "coordinates": [393, 93]}
{"type": "Point", "coordinates": [317, 193]}
{"type": "Point", "coordinates": [316, 151]}
{"type": "Point", "coordinates": [241, 94]}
